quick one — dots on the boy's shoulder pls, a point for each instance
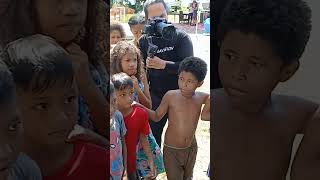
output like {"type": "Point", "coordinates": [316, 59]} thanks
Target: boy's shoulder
{"type": "Point", "coordinates": [173, 92]}
{"type": "Point", "coordinates": [25, 167]}
{"type": "Point", "coordinates": [284, 103]}
{"type": "Point", "coordinates": [117, 115]}
{"type": "Point", "coordinates": [294, 104]}
{"type": "Point", "coordinates": [201, 94]}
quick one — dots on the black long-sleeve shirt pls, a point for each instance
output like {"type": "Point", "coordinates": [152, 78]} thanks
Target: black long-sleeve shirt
{"type": "Point", "coordinates": [174, 50]}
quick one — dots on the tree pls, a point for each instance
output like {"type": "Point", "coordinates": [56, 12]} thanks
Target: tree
{"type": "Point", "coordinates": [137, 5]}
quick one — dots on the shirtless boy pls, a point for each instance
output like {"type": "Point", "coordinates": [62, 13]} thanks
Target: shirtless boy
{"type": "Point", "coordinates": [184, 107]}
{"type": "Point", "coordinates": [261, 42]}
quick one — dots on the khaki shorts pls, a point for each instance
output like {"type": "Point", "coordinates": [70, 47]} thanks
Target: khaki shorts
{"type": "Point", "coordinates": [178, 162]}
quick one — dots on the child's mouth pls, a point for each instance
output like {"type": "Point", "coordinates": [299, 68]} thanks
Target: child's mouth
{"type": "Point", "coordinates": [235, 92]}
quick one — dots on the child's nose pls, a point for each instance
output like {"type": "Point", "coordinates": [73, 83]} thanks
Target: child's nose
{"type": "Point", "coordinates": [241, 72]}
{"type": "Point", "coordinates": [70, 9]}
{"type": "Point", "coordinates": [62, 117]}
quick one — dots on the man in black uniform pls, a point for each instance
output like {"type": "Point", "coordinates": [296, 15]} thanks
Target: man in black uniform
{"type": "Point", "coordinates": [163, 67]}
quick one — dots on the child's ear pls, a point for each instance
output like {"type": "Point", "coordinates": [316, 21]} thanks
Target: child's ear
{"type": "Point", "coordinates": [289, 70]}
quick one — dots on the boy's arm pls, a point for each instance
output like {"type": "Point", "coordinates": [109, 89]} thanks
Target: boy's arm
{"type": "Point", "coordinates": [124, 154]}
{"type": "Point", "coordinates": [306, 164]}
{"type": "Point", "coordinates": [146, 147]}
{"type": "Point", "coordinates": [205, 114]}
{"type": "Point", "coordinates": [158, 114]}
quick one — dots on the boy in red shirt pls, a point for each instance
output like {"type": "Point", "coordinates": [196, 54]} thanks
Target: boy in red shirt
{"type": "Point", "coordinates": [47, 95]}
{"type": "Point", "coordinates": [136, 120]}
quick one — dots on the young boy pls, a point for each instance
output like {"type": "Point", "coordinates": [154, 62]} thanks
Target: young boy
{"type": "Point", "coordinates": [136, 24]}
{"type": "Point", "coordinates": [136, 121]}
{"type": "Point", "coordinates": [118, 149]}
{"type": "Point", "coordinates": [47, 95]}
{"type": "Point", "coordinates": [261, 43]}
{"type": "Point", "coordinates": [184, 107]}
{"type": "Point", "coordinates": [14, 165]}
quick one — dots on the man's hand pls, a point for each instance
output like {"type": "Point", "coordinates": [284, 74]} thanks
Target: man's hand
{"type": "Point", "coordinates": [156, 63]}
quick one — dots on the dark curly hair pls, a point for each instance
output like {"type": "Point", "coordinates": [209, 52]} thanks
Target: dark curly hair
{"type": "Point", "coordinates": [121, 81]}
{"type": "Point", "coordinates": [118, 27]}
{"type": "Point", "coordinates": [135, 20]}
{"type": "Point", "coordinates": [194, 65]}
{"type": "Point", "coordinates": [121, 49]}
{"type": "Point", "coordinates": [285, 24]}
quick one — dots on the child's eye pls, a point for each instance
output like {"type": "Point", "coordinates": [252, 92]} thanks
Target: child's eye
{"type": "Point", "coordinates": [256, 64]}
{"type": "Point", "coordinates": [14, 126]}
{"type": "Point", "coordinates": [70, 99]}
{"type": "Point", "coordinates": [230, 57]}
{"type": "Point", "coordinates": [122, 95]}
{"type": "Point", "coordinates": [41, 106]}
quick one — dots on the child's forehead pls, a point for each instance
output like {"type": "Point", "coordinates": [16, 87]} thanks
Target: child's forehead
{"type": "Point", "coordinates": [138, 25]}
{"type": "Point", "coordinates": [250, 42]}
{"type": "Point", "coordinates": [187, 75]}
{"type": "Point", "coordinates": [125, 88]}
{"type": "Point", "coordinates": [52, 90]}
{"type": "Point", "coordinates": [115, 31]}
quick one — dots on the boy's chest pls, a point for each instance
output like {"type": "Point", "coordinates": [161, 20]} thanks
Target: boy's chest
{"type": "Point", "coordinates": [258, 133]}
{"type": "Point", "coordinates": [251, 144]}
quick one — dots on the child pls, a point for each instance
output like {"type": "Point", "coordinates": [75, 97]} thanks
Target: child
{"type": "Point", "coordinates": [118, 149]}
{"type": "Point", "coordinates": [84, 36]}
{"type": "Point", "coordinates": [136, 120]}
{"type": "Point", "coordinates": [126, 58]}
{"type": "Point", "coordinates": [116, 33]}
{"type": "Point", "coordinates": [184, 107]}
{"type": "Point", "coordinates": [136, 24]}
{"type": "Point", "coordinates": [261, 43]}
{"type": "Point", "coordinates": [194, 6]}
{"type": "Point", "coordinates": [47, 92]}
{"type": "Point", "coordinates": [14, 165]}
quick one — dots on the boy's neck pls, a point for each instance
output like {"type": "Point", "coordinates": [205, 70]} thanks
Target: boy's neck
{"type": "Point", "coordinates": [188, 95]}
{"type": "Point", "coordinates": [254, 107]}
{"type": "Point", "coordinates": [126, 111]}
{"type": "Point", "coordinates": [49, 158]}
